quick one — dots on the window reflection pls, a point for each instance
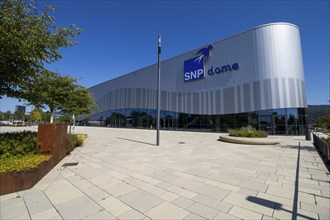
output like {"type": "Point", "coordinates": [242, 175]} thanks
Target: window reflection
{"type": "Point", "coordinates": [289, 121]}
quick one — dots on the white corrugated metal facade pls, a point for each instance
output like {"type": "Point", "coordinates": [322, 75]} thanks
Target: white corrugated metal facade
{"type": "Point", "coordinates": [270, 76]}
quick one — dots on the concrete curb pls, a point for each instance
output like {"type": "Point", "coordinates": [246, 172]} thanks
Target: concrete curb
{"type": "Point", "coordinates": [253, 141]}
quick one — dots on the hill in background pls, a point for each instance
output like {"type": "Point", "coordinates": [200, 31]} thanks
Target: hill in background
{"type": "Point", "coordinates": [314, 112]}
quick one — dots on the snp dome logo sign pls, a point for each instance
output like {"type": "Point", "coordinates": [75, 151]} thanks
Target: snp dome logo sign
{"type": "Point", "coordinates": [194, 68]}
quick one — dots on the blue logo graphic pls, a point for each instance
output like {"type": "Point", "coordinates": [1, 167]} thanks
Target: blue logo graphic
{"type": "Point", "coordinates": [205, 52]}
{"type": "Point", "coordinates": [194, 68]}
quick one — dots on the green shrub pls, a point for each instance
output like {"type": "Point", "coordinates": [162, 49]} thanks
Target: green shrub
{"type": "Point", "coordinates": [248, 131]}
{"type": "Point", "coordinates": [74, 140]}
{"type": "Point", "coordinates": [23, 163]}
{"type": "Point", "coordinates": [18, 144]}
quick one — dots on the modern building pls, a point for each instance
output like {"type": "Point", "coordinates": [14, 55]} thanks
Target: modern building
{"type": "Point", "coordinates": [252, 78]}
{"type": "Point", "coordinates": [20, 108]}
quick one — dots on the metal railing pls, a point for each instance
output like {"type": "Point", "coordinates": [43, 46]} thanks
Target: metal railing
{"type": "Point", "coordinates": [322, 147]}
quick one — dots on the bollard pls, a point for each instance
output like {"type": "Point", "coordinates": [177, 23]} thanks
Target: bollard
{"type": "Point", "coordinates": [307, 134]}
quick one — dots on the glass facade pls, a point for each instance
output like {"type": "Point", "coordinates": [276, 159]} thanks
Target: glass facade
{"type": "Point", "coordinates": [284, 121]}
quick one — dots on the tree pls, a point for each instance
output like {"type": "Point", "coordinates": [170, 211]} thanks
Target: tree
{"type": "Point", "coordinates": [5, 116]}
{"type": "Point", "coordinates": [324, 121]}
{"type": "Point", "coordinates": [80, 101]}
{"type": "Point", "coordinates": [36, 115]}
{"type": "Point", "coordinates": [58, 92]}
{"type": "Point", "coordinates": [28, 41]}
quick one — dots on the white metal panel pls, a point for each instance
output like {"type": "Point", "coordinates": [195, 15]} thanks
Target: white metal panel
{"type": "Point", "coordinates": [266, 53]}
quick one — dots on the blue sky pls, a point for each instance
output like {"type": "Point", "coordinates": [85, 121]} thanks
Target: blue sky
{"type": "Point", "coordinates": [121, 36]}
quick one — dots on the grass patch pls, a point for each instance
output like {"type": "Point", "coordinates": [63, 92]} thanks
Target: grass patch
{"type": "Point", "coordinates": [248, 131]}
{"type": "Point", "coordinates": [23, 163]}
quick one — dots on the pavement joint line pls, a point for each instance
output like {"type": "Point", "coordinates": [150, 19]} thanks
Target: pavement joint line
{"type": "Point", "coordinates": [27, 209]}
{"type": "Point", "coordinates": [103, 191]}
{"type": "Point", "coordinates": [43, 191]}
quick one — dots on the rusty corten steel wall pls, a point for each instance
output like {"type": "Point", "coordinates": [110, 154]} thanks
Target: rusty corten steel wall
{"type": "Point", "coordinates": [17, 181]}
{"type": "Point", "coordinates": [53, 139]}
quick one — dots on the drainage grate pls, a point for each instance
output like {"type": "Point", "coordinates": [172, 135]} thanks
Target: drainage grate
{"type": "Point", "coordinates": [181, 142]}
{"type": "Point", "coordinates": [70, 164]}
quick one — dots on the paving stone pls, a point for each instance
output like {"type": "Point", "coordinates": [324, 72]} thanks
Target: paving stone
{"type": "Point", "coordinates": [24, 217]}
{"type": "Point", "coordinates": [145, 186]}
{"type": "Point", "coordinates": [193, 216]}
{"type": "Point", "coordinates": [244, 213]}
{"type": "Point", "coordinates": [248, 192]}
{"type": "Point", "coordinates": [47, 214]}
{"type": "Point", "coordinates": [13, 208]}
{"type": "Point", "coordinates": [314, 208]}
{"type": "Point", "coordinates": [168, 196]}
{"type": "Point", "coordinates": [56, 194]}
{"type": "Point", "coordinates": [102, 215]}
{"type": "Point", "coordinates": [117, 175]}
{"type": "Point", "coordinates": [212, 182]}
{"type": "Point", "coordinates": [37, 202]}
{"type": "Point", "coordinates": [214, 192]}
{"type": "Point", "coordinates": [251, 203]}
{"type": "Point", "coordinates": [285, 212]}
{"type": "Point", "coordinates": [325, 193]}
{"type": "Point", "coordinates": [183, 202]}
{"type": "Point", "coordinates": [140, 200]}
{"type": "Point", "coordinates": [289, 193]}
{"type": "Point", "coordinates": [147, 179]}
{"type": "Point", "coordinates": [310, 191]}
{"type": "Point", "coordinates": [175, 189]}
{"type": "Point", "coordinates": [120, 189]}
{"type": "Point", "coordinates": [225, 216]}
{"type": "Point", "coordinates": [213, 203]}
{"type": "Point", "coordinates": [163, 176]}
{"type": "Point", "coordinates": [203, 210]}
{"type": "Point", "coordinates": [81, 184]}
{"type": "Point", "coordinates": [187, 184]}
{"type": "Point", "coordinates": [276, 199]}
{"type": "Point", "coordinates": [72, 209]}
{"type": "Point", "coordinates": [198, 172]}
{"type": "Point", "coordinates": [166, 211]}
{"type": "Point", "coordinates": [8, 196]}
{"type": "Point", "coordinates": [321, 201]}
{"type": "Point", "coordinates": [324, 216]}
{"type": "Point", "coordinates": [314, 186]}
{"type": "Point", "coordinates": [134, 182]}
{"type": "Point", "coordinates": [225, 179]}
{"type": "Point", "coordinates": [266, 217]}
{"type": "Point", "coordinates": [101, 195]}
{"type": "Point", "coordinates": [114, 206]}
{"type": "Point", "coordinates": [132, 214]}
{"type": "Point", "coordinates": [228, 187]}
{"type": "Point", "coordinates": [273, 183]}
{"type": "Point", "coordinates": [254, 185]}
{"type": "Point", "coordinates": [104, 181]}
{"type": "Point", "coordinates": [164, 185]}
{"type": "Point", "coordinates": [188, 194]}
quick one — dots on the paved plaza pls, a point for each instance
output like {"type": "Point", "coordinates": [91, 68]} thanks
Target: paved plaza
{"type": "Point", "coordinates": [121, 174]}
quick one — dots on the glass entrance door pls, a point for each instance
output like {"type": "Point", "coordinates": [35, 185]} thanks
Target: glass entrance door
{"type": "Point", "coordinates": [265, 124]}
{"type": "Point", "coordinates": [279, 125]}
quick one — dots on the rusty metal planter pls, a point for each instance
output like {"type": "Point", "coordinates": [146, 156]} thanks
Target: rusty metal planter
{"type": "Point", "coordinates": [53, 140]}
